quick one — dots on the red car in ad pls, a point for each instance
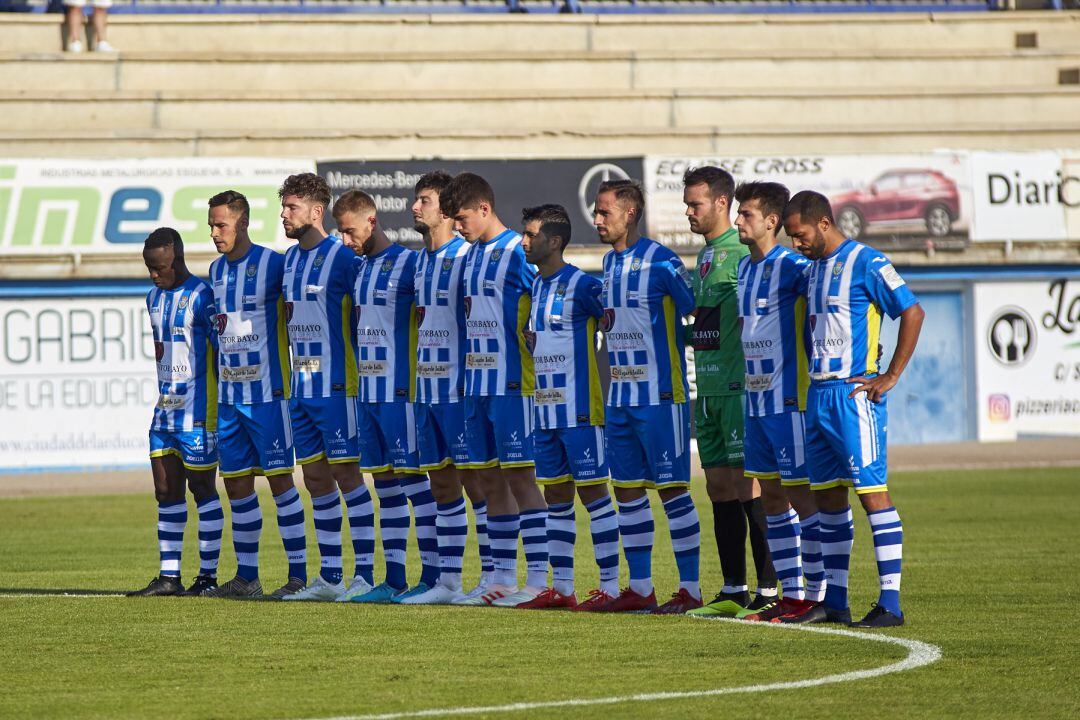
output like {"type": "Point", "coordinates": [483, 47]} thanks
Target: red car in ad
{"type": "Point", "coordinates": [902, 198]}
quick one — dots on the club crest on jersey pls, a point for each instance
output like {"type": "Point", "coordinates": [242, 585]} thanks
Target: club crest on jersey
{"type": "Point", "coordinates": [609, 320]}
{"type": "Point", "coordinates": [530, 339]}
{"type": "Point", "coordinates": [159, 350]}
{"type": "Point", "coordinates": [447, 263]}
{"type": "Point", "coordinates": [288, 312]}
{"type": "Point", "coordinates": [635, 264]}
{"type": "Point", "coordinates": [387, 265]}
{"type": "Point", "coordinates": [183, 302]}
{"type": "Point", "coordinates": [252, 270]}
{"type": "Point", "coordinates": [468, 306]}
{"type": "Point", "coordinates": [319, 260]}
{"type": "Point", "coordinates": [496, 254]}
{"type": "Point", "coordinates": [767, 274]}
{"type": "Point", "coordinates": [420, 312]}
{"type": "Point", "coordinates": [704, 267]}
{"type": "Point", "coordinates": [560, 289]}
{"type": "Point", "coordinates": [220, 321]}
{"type": "Point", "coordinates": [838, 268]}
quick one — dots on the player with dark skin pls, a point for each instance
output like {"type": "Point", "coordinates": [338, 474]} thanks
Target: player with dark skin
{"type": "Point", "coordinates": [229, 231]}
{"type": "Point", "coordinates": [169, 272]}
{"type": "Point", "coordinates": [819, 240]}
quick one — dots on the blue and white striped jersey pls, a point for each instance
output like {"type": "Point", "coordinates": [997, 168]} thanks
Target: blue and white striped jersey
{"type": "Point", "coordinates": [772, 314]}
{"type": "Point", "coordinates": [318, 288]}
{"type": "Point", "coordinates": [566, 308]}
{"type": "Point", "coordinates": [440, 323]}
{"type": "Point", "coordinates": [184, 345]}
{"type": "Point", "coordinates": [847, 293]}
{"type": "Point", "coordinates": [496, 297]}
{"type": "Point", "coordinates": [647, 291]}
{"type": "Point", "coordinates": [384, 297]}
{"type": "Point", "coordinates": [253, 344]}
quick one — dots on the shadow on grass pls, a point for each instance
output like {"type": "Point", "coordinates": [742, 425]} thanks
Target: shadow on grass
{"type": "Point", "coordinates": [58, 591]}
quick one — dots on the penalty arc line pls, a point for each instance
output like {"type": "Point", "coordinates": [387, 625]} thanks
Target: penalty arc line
{"type": "Point", "coordinates": [919, 655]}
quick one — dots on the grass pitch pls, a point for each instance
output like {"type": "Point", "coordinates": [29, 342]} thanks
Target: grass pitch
{"type": "Point", "coordinates": [989, 577]}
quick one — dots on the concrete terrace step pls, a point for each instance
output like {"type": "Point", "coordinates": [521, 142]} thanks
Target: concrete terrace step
{"type": "Point", "coordinates": [606, 70]}
{"type": "Point", "coordinates": [444, 110]}
{"type": "Point", "coordinates": [469, 33]}
{"type": "Point", "coordinates": [791, 139]}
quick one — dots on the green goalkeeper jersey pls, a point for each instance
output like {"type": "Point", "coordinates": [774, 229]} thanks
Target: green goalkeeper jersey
{"type": "Point", "coordinates": [715, 336]}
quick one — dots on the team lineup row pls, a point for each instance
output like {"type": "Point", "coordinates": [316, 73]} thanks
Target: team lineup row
{"type": "Point", "coordinates": [470, 368]}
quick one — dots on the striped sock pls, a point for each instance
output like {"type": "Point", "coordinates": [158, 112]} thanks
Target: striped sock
{"type": "Point", "coordinates": [246, 529]}
{"type": "Point", "coordinates": [452, 524]}
{"type": "Point", "coordinates": [290, 522]}
{"type": "Point", "coordinates": [361, 511]}
{"type": "Point", "coordinates": [503, 531]}
{"type": "Point", "coordinates": [211, 523]}
{"type": "Point", "coordinates": [487, 563]}
{"type": "Point", "coordinates": [394, 528]}
{"type": "Point", "coordinates": [685, 541]}
{"type": "Point", "coordinates": [813, 569]}
{"type": "Point", "coordinates": [418, 489]}
{"type": "Point", "coordinates": [561, 534]}
{"type": "Point", "coordinates": [534, 539]}
{"type": "Point", "coordinates": [636, 528]}
{"type": "Point", "coordinates": [172, 517]}
{"type": "Point", "coordinates": [604, 527]}
{"type": "Point", "coordinates": [837, 537]}
{"type": "Point", "coordinates": [889, 552]}
{"type": "Point", "coordinates": [326, 509]}
{"type": "Point", "coordinates": [784, 546]}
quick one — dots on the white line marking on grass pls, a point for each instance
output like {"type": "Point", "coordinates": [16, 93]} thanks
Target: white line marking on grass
{"type": "Point", "coordinates": [8, 596]}
{"type": "Point", "coordinates": [919, 654]}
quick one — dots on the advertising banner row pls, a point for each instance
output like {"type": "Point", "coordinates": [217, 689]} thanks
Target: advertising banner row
{"type": "Point", "coordinates": [891, 201]}
{"type": "Point", "coordinates": [77, 377]}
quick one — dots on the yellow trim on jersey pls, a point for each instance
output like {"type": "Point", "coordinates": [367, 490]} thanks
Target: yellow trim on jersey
{"type": "Point", "coordinates": [211, 388]}
{"type": "Point", "coordinates": [283, 348]}
{"type": "Point", "coordinates": [596, 391]}
{"type": "Point", "coordinates": [802, 362]}
{"type": "Point", "coordinates": [528, 373]}
{"type": "Point", "coordinates": [352, 374]}
{"type": "Point", "coordinates": [414, 343]}
{"type": "Point", "coordinates": [670, 320]}
{"type": "Point", "coordinates": [761, 475]}
{"type": "Point", "coordinates": [873, 331]}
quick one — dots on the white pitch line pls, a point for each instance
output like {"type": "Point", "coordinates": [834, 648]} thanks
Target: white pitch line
{"type": "Point", "coordinates": [7, 596]}
{"type": "Point", "coordinates": [919, 654]}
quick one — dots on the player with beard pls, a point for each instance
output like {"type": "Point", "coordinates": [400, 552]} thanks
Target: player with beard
{"type": "Point", "coordinates": [317, 287]}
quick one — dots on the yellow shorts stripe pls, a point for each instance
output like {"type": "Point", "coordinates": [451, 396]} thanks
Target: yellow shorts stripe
{"type": "Point", "coordinates": [311, 458]}
{"type": "Point", "coordinates": [794, 482]}
{"type": "Point", "coordinates": [761, 475]}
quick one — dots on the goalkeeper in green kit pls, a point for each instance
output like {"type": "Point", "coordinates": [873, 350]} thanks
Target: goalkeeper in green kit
{"type": "Point", "coordinates": [718, 414]}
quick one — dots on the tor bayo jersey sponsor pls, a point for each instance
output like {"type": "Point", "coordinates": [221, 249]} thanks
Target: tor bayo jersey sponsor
{"type": "Point", "coordinates": [253, 344]}
{"type": "Point", "coordinates": [847, 293]}
{"type": "Point", "coordinates": [384, 298]}
{"type": "Point", "coordinates": [184, 345]}
{"type": "Point", "coordinates": [566, 310]}
{"type": "Point", "coordinates": [647, 291]}
{"type": "Point", "coordinates": [496, 299]}
{"type": "Point", "coordinates": [440, 323]}
{"type": "Point", "coordinates": [318, 289]}
{"type": "Point", "coordinates": [772, 315]}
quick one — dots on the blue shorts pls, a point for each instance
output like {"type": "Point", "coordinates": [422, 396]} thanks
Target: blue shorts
{"type": "Point", "coordinates": [324, 427]}
{"type": "Point", "coordinates": [197, 449]}
{"type": "Point", "coordinates": [498, 430]}
{"type": "Point", "coordinates": [775, 448]}
{"type": "Point", "coordinates": [845, 438]}
{"type": "Point", "coordinates": [387, 437]}
{"type": "Point", "coordinates": [440, 435]}
{"type": "Point", "coordinates": [255, 438]}
{"type": "Point", "coordinates": [649, 445]}
{"type": "Point", "coordinates": [566, 454]}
